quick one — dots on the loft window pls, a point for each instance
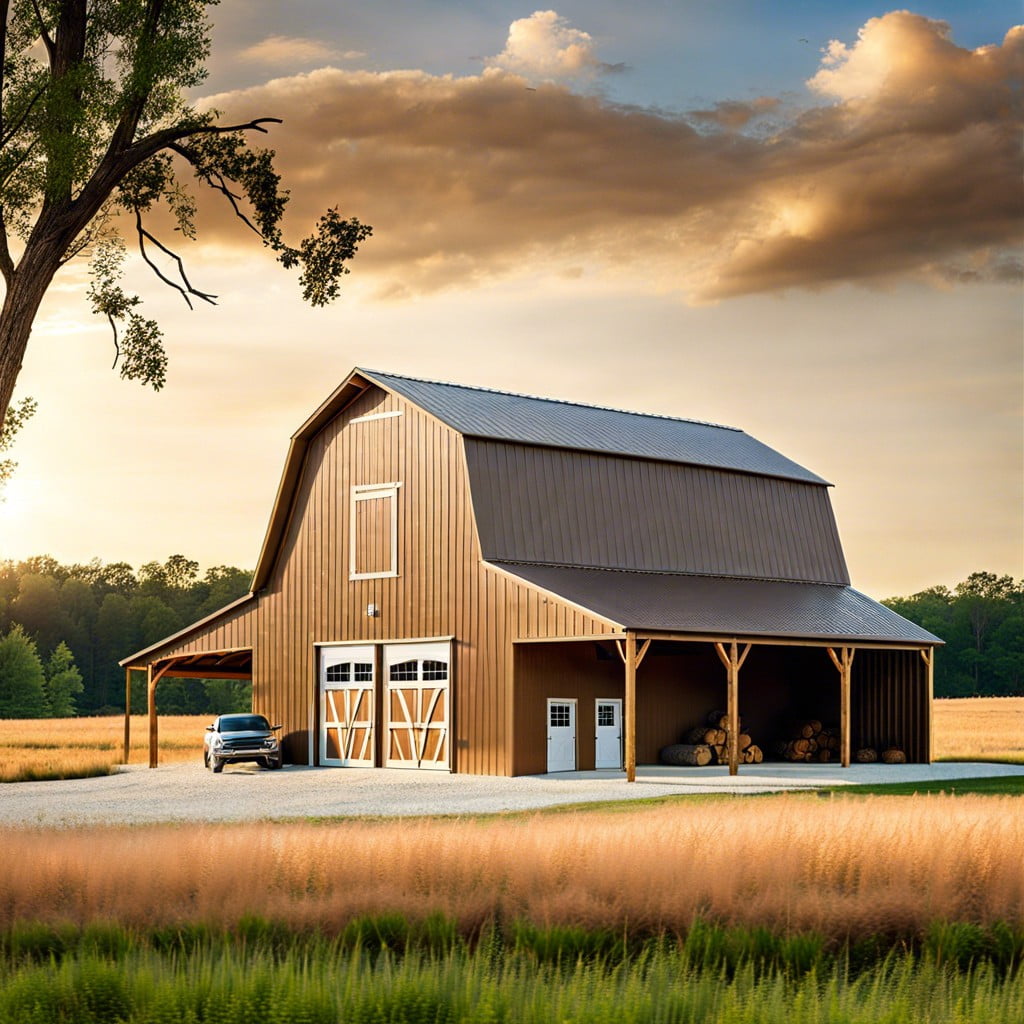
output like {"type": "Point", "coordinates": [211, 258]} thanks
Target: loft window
{"type": "Point", "coordinates": [373, 544]}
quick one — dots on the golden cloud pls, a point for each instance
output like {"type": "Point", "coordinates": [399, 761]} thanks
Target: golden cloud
{"type": "Point", "coordinates": [909, 165]}
{"type": "Point", "coordinates": [283, 51]}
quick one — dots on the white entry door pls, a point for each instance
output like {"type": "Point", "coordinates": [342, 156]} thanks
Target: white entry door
{"type": "Point", "coordinates": [347, 706]}
{"type": "Point", "coordinates": [608, 734]}
{"type": "Point", "coordinates": [561, 735]}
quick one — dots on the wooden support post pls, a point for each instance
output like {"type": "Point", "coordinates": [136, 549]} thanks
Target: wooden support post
{"type": "Point", "coordinates": [127, 713]}
{"type": "Point", "coordinates": [151, 681]}
{"type": "Point", "coordinates": [733, 662]}
{"type": "Point", "coordinates": [151, 708]}
{"type": "Point", "coordinates": [844, 663]}
{"type": "Point", "coordinates": [929, 659]}
{"type": "Point", "coordinates": [630, 711]}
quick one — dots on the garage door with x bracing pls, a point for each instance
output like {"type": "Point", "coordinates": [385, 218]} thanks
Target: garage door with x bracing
{"type": "Point", "coordinates": [346, 706]}
{"type": "Point", "coordinates": [416, 705]}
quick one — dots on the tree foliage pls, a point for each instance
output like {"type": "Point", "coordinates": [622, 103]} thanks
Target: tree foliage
{"type": "Point", "coordinates": [982, 621]}
{"type": "Point", "coordinates": [100, 613]}
{"type": "Point", "coordinates": [22, 693]}
{"type": "Point", "coordinates": [62, 684]}
{"type": "Point", "coordinates": [96, 136]}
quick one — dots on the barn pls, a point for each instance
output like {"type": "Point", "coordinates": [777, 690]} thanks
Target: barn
{"type": "Point", "coordinates": [467, 580]}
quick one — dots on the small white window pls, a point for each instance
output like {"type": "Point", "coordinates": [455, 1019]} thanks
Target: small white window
{"type": "Point", "coordinates": [373, 542]}
{"type": "Point", "coordinates": [560, 716]}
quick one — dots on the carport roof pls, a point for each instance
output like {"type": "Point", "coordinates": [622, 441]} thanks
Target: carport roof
{"type": "Point", "coordinates": [678, 603]}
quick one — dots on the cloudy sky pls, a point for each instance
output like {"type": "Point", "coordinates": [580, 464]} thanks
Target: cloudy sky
{"type": "Point", "coordinates": [802, 219]}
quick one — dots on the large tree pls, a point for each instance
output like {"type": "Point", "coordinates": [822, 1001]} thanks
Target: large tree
{"type": "Point", "coordinates": [95, 133]}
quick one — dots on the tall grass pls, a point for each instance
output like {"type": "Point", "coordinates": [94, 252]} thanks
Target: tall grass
{"type": "Point", "coordinates": [71, 748]}
{"type": "Point", "coordinates": [840, 868]}
{"type": "Point", "coordinates": [219, 983]}
{"type": "Point", "coordinates": [980, 729]}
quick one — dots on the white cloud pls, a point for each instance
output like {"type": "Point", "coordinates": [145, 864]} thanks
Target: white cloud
{"type": "Point", "coordinates": [545, 46]}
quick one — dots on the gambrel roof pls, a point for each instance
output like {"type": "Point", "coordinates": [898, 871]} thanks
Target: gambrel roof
{"type": "Point", "coordinates": [552, 423]}
{"type": "Point", "coordinates": [647, 522]}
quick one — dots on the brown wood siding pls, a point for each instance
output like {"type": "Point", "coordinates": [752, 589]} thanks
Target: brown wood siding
{"type": "Point", "coordinates": [372, 541]}
{"type": "Point", "coordinates": [889, 702]}
{"type": "Point", "coordinates": [442, 588]}
{"type": "Point", "coordinates": [576, 508]}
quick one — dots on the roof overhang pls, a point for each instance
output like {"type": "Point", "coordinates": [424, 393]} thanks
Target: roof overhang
{"type": "Point", "coordinates": [140, 659]}
{"type": "Point", "coordinates": [680, 606]}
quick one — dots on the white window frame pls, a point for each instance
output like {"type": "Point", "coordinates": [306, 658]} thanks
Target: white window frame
{"type": "Point", "coordinates": [367, 492]}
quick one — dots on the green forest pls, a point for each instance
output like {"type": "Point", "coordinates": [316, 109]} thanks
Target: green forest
{"type": "Point", "coordinates": [63, 629]}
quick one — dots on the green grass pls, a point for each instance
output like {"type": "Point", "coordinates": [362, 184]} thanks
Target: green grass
{"type": "Point", "coordinates": [991, 785]}
{"type": "Point", "coordinates": [264, 974]}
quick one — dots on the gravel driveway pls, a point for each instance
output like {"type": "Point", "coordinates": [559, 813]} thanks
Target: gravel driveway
{"type": "Point", "coordinates": [187, 792]}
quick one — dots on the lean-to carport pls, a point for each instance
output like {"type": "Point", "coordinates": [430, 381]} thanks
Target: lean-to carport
{"type": "Point", "coordinates": [228, 664]}
{"type": "Point", "coordinates": [874, 668]}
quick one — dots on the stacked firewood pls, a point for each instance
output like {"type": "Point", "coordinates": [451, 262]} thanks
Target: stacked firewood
{"type": "Point", "coordinates": [808, 740]}
{"type": "Point", "coordinates": [891, 755]}
{"type": "Point", "coordinates": [709, 744]}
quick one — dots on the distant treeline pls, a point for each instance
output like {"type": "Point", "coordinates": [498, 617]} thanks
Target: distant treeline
{"type": "Point", "coordinates": [982, 623]}
{"type": "Point", "coordinates": [64, 628]}
{"type": "Point", "coordinates": [101, 614]}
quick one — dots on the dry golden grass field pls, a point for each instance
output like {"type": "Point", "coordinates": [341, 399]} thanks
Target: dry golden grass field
{"type": "Point", "coordinates": [56, 748]}
{"type": "Point", "coordinates": [790, 863]}
{"type": "Point", "coordinates": [983, 728]}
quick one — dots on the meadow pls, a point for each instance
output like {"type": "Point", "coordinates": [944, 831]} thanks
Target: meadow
{"type": "Point", "coordinates": [793, 908]}
{"type": "Point", "coordinates": [70, 748]}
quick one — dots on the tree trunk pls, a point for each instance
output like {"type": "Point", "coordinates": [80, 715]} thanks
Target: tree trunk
{"type": "Point", "coordinates": [21, 304]}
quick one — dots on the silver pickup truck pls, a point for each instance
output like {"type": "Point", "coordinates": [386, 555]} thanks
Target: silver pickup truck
{"type": "Point", "coordinates": [234, 738]}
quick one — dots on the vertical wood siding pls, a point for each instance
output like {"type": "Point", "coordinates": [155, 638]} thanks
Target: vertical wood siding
{"type": "Point", "coordinates": [889, 702]}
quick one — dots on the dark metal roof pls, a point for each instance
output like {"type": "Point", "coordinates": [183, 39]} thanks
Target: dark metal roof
{"type": "Point", "coordinates": [500, 415]}
{"type": "Point", "coordinates": [674, 603]}
{"type": "Point", "coordinates": [547, 505]}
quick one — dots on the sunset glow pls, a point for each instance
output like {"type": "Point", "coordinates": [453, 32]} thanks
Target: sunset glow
{"type": "Point", "coordinates": [807, 228]}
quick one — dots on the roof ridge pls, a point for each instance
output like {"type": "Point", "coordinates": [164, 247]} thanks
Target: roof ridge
{"type": "Point", "coordinates": [553, 401]}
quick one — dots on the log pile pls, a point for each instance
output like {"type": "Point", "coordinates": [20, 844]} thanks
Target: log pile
{"type": "Point", "coordinates": [891, 755]}
{"type": "Point", "coordinates": [713, 737]}
{"type": "Point", "coordinates": [809, 740]}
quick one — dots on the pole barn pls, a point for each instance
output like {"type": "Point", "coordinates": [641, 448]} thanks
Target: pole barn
{"type": "Point", "coordinates": [466, 580]}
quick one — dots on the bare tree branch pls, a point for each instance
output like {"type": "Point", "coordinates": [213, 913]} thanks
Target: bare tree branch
{"type": "Point", "coordinates": [6, 136]}
{"type": "Point", "coordinates": [43, 34]}
{"type": "Point", "coordinates": [219, 184]}
{"type": "Point", "coordinates": [188, 289]}
{"type": "Point", "coordinates": [117, 346]}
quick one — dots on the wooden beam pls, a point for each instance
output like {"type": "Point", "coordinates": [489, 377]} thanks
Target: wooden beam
{"type": "Point", "coordinates": [733, 661]}
{"type": "Point", "coordinates": [772, 641]}
{"type": "Point", "coordinates": [630, 710]}
{"type": "Point", "coordinates": [127, 713]}
{"type": "Point", "coordinates": [929, 660]}
{"type": "Point", "coordinates": [151, 681]}
{"type": "Point", "coordinates": [642, 652]}
{"type": "Point", "coordinates": [621, 650]}
{"type": "Point", "coordinates": [844, 664]}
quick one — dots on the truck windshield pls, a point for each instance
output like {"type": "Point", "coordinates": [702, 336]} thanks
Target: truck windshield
{"type": "Point", "coordinates": [245, 723]}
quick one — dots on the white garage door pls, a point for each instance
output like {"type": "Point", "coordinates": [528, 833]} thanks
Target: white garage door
{"type": "Point", "coordinates": [416, 705]}
{"type": "Point", "coordinates": [346, 706]}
